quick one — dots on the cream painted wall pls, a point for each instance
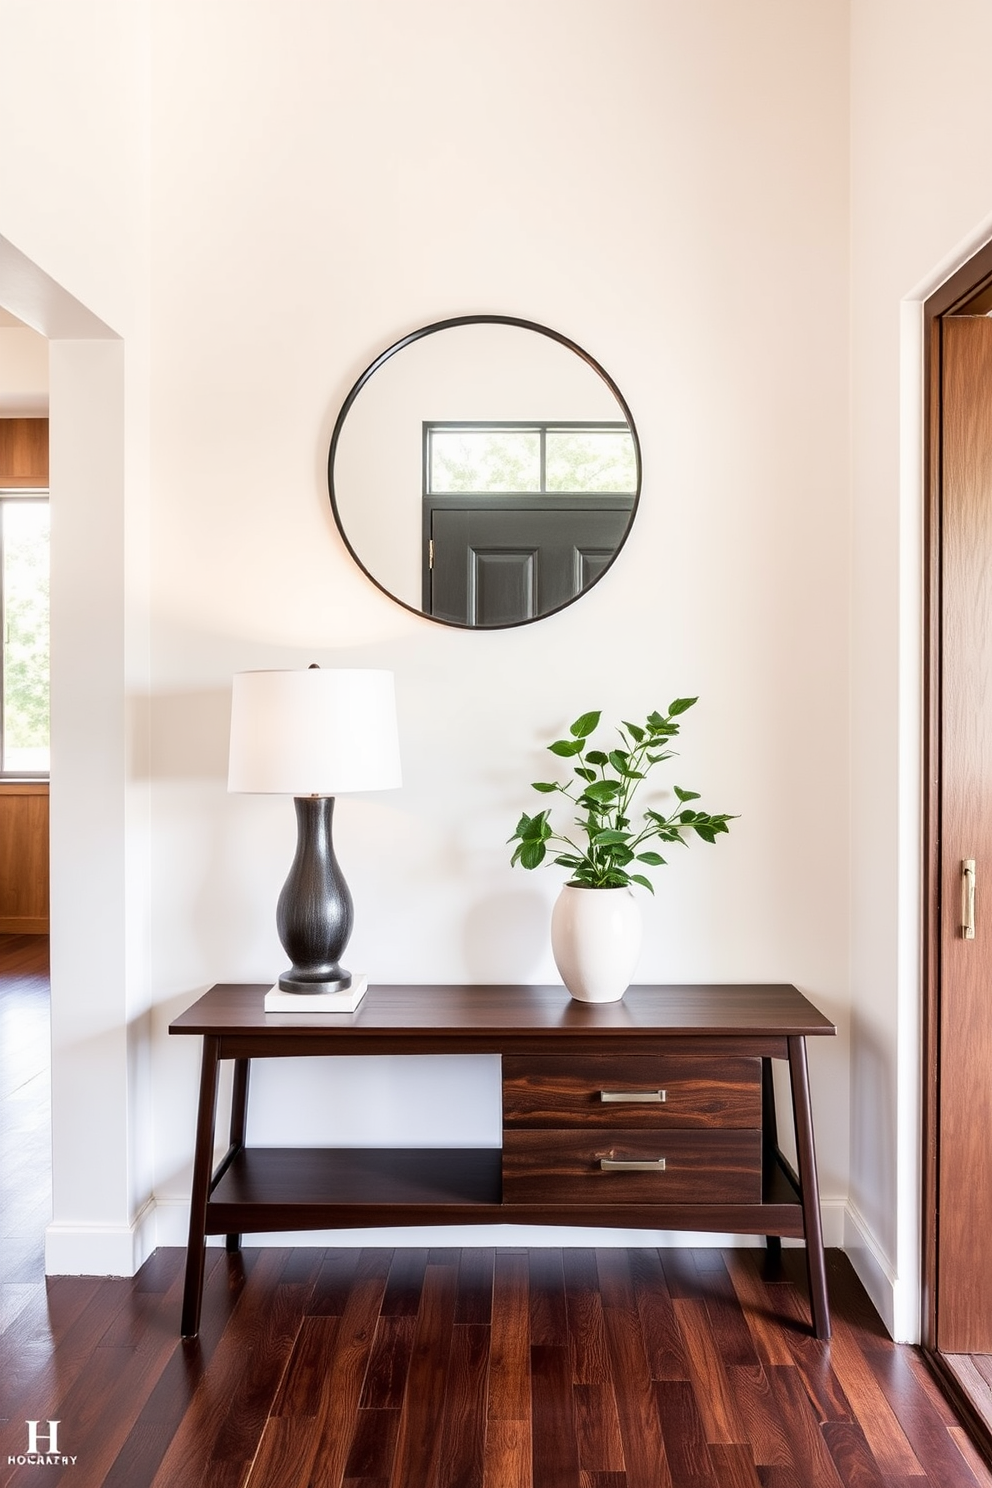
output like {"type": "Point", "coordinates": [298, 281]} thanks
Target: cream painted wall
{"type": "Point", "coordinates": [666, 184]}
{"type": "Point", "coordinates": [921, 125]}
{"type": "Point", "coordinates": [23, 373]}
{"type": "Point", "coordinates": [670, 190]}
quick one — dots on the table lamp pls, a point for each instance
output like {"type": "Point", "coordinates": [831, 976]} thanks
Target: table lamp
{"type": "Point", "coordinates": [314, 734]}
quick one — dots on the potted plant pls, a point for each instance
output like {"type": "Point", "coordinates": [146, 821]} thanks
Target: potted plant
{"type": "Point", "coordinates": [596, 926]}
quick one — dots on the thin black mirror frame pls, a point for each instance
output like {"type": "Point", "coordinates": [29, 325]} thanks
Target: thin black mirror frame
{"type": "Point", "coordinates": [429, 330]}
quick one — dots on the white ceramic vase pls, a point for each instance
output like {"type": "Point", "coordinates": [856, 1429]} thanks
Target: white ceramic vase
{"type": "Point", "coordinates": [596, 941]}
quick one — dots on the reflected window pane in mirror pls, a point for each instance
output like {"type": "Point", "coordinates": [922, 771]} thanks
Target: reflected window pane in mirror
{"type": "Point", "coordinates": [591, 460]}
{"type": "Point", "coordinates": [483, 460]}
{"type": "Point", "coordinates": [484, 471]}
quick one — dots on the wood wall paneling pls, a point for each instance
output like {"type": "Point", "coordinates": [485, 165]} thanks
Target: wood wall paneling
{"type": "Point", "coordinates": [24, 858]}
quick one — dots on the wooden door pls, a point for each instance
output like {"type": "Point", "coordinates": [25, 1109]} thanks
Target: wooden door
{"type": "Point", "coordinates": [964, 1169]}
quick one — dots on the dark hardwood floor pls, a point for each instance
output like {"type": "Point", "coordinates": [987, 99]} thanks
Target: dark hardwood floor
{"type": "Point", "coordinates": [442, 1368]}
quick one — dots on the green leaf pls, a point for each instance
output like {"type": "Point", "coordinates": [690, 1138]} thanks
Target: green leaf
{"type": "Point", "coordinates": [601, 790]}
{"type": "Point", "coordinates": [532, 854]}
{"type": "Point", "coordinates": [568, 860]}
{"type": "Point", "coordinates": [645, 883]}
{"type": "Point", "coordinates": [635, 731]}
{"type": "Point", "coordinates": [680, 705]}
{"type": "Point", "coordinates": [685, 795]}
{"type": "Point", "coordinates": [618, 760]}
{"type": "Point", "coordinates": [544, 786]}
{"type": "Point", "coordinates": [584, 726]}
{"type": "Point", "coordinates": [602, 839]}
{"type": "Point", "coordinates": [566, 746]}
{"type": "Point", "coordinates": [706, 832]}
{"type": "Point", "coordinates": [653, 859]}
{"type": "Point", "coordinates": [585, 774]}
{"type": "Point", "coordinates": [596, 757]}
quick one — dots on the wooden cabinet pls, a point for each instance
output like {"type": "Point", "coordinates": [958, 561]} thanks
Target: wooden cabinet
{"type": "Point", "coordinates": [24, 857]}
{"type": "Point", "coordinates": [24, 454]}
{"type": "Point", "coordinates": [656, 1113]}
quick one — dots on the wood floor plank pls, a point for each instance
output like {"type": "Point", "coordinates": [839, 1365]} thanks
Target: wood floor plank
{"type": "Point", "coordinates": [389, 1363]}
{"type": "Point", "coordinates": [659, 1325]}
{"type": "Point", "coordinates": [813, 1465]}
{"type": "Point", "coordinates": [852, 1456]}
{"type": "Point", "coordinates": [507, 1457]}
{"type": "Point", "coordinates": [584, 1318]}
{"type": "Point", "coordinates": [406, 1282]}
{"type": "Point", "coordinates": [463, 1434]}
{"type": "Point", "coordinates": [555, 1442]}
{"type": "Point", "coordinates": [373, 1446]}
{"type": "Point", "coordinates": [686, 1447]}
{"type": "Point", "coordinates": [597, 1428]}
{"type": "Point", "coordinates": [421, 1417]}
{"type": "Point", "coordinates": [889, 1443]}
{"type": "Point", "coordinates": [640, 1428]}
{"type": "Point", "coordinates": [765, 1432]}
{"type": "Point", "coordinates": [707, 1374]}
{"type": "Point", "coordinates": [509, 1350]}
{"type": "Point", "coordinates": [474, 1298]}
{"type": "Point", "coordinates": [218, 1435]}
{"type": "Point", "coordinates": [548, 1315]}
{"type": "Point", "coordinates": [734, 1340]}
{"type": "Point", "coordinates": [734, 1466]}
{"type": "Point", "coordinates": [302, 1451]}
{"type": "Point", "coordinates": [763, 1322]}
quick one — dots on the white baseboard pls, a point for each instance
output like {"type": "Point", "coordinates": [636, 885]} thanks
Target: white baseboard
{"type": "Point", "coordinates": [896, 1300]}
{"type": "Point", "coordinates": [101, 1250]}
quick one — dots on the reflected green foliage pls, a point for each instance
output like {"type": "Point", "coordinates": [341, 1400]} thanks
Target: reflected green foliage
{"type": "Point", "coordinates": [597, 460]}
{"type": "Point", "coordinates": [485, 460]}
{"type": "Point", "coordinates": [609, 845]}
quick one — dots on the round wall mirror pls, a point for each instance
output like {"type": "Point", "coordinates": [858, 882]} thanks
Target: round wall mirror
{"type": "Point", "coordinates": [484, 471]}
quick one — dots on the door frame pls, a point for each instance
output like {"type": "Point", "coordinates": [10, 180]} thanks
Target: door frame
{"type": "Point", "coordinates": [962, 286]}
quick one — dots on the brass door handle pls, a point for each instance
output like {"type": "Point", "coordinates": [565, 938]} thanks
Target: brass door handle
{"type": "Point", "coordinates": [968, 898]}
{"type": "Point", "coordinates": [632, 1165]}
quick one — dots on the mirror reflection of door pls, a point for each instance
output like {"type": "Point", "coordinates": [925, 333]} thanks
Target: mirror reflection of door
{"type": "Point", "coordinates": [504, 445]}
{"type": "Point", "coordinates": [520, 518]}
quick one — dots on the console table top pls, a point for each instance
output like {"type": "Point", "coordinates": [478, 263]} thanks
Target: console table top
{"type": "Point", "coordinates": [773, 1009]}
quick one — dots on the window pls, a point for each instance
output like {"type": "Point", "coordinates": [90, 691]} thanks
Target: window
{"type": "Point", "coordinates": [525, 458]}
{"type": "Point", "coordinates": [24, 747]}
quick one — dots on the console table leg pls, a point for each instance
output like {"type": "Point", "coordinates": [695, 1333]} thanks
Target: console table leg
{"type": "Point", "coordinates": [769, 1154]}
{"type": "Point", "coordinates": [806, 1153]}
{"type": "Point", "coordinates": [203, 1154]}
{"type": "Point", "coordinates": [239, 1123]}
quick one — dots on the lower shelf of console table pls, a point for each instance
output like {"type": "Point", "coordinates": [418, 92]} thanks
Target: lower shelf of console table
{"type": "Point", "coordinates": [656, 1113]}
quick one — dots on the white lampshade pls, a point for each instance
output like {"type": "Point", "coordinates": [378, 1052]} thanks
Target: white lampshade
{"type": "Point", "coordinates": [313, 732]}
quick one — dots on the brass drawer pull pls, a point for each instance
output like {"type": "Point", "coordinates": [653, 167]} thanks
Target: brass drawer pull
{"type": "Point", "coordinates": [632, 1165]}
{"type": "Point", "coordinates": [657, 1097]}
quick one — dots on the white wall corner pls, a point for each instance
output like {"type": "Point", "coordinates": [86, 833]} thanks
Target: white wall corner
{"type": "Point", "coordinates": [102, 1250]}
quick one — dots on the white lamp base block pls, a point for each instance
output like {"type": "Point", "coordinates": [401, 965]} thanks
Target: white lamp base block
{"type": "Point", "coordinates": [346, 1001]}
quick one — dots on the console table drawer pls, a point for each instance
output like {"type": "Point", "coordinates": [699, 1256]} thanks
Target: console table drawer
{"type": "Point", "coordinates": [675, 1090]}
{"type": "Point", "coordinates": [693, 1167]}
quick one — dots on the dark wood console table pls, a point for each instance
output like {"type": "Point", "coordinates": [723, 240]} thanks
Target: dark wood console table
{"type": "Point", "coordinates": [655, 1112]}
